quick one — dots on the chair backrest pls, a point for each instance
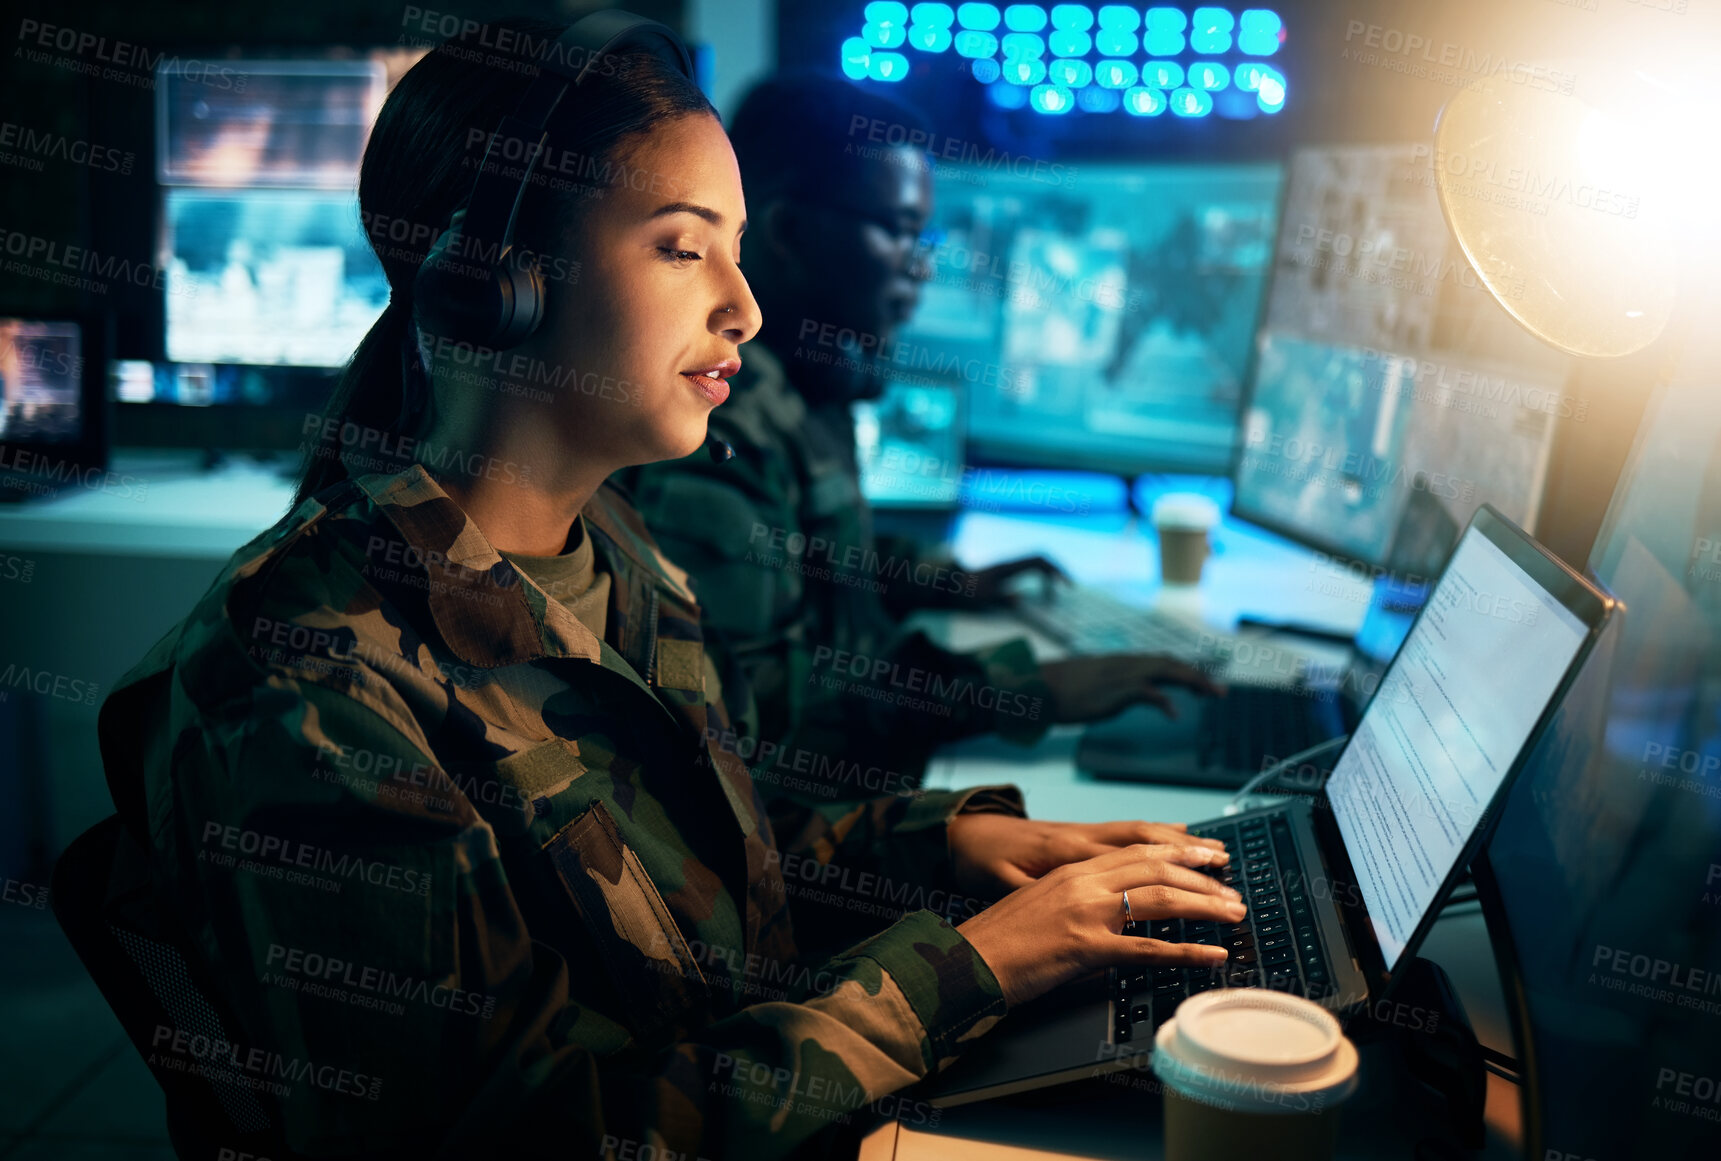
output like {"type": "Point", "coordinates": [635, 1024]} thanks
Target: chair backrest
{"type": "Point", "coordinates": [102, 899]}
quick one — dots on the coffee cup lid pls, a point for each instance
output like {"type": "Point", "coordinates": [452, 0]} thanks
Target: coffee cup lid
{"type": "Point", "coordinates": [1185, 510]}
{"type": "Point", "coordinates": [1255, 1050]}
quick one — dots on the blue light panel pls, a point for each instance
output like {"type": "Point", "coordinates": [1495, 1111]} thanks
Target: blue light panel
{"type": "Point", "coordinates": [1164, 31]}
{"type": "Point", "coordinates": [1144, 102]}
{"type": "Point", "coordinates": [1116, 74]}
{"type": "Point", "coordinates": [1143, 87]}
{"type": "Point", "coordinates": [1076, 17]}
{"type": "Point", "coordinates": [1209, 76]}
{"type": "Point", "coordinates": [974, 44]}
{"type": "Point", "coordinates": [1258, 32]}
{"type": "Point", "coordinates": [887, 66]}
{"type": "Point", "coordinates": [1191, 103]}
{"type": "Point", "coordinates": [981, 17]}
{"type": "Point", "coordinates": [1051, 99]}
{"type": "Point", "coordinates": [1210, 31]}
{"type": "Point", "coordinates": [1071, 74]}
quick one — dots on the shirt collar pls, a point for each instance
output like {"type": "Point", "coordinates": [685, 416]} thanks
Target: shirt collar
{"type": "Point", "coordinates": [489, 612]}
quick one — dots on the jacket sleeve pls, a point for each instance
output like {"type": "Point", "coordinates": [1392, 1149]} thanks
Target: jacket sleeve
{"type": "Point", "coordinates": [856, 866]}
{"type": "Point", "coordinates": [351, 895]}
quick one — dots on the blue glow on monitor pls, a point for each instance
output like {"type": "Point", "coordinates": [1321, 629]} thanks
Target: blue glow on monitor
{"type": "Point", "coordinates": [981, 17]}
{"type": "Point", "coordinates": [887, 12]}
{"type": "Point", "coordinates": [1008, 96]}
{"type": "Point", "coordinates": [1025, 17]}
{"type": "Point", "coordinates": [986, 70]}
{"type": "Point", "coordinates": [934, 15]}
{"type": "Point", "coordinates": [1024, 70]}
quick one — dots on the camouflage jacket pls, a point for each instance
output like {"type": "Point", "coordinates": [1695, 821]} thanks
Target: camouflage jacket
{"type": "Point", "coordinates": [780, 545]}
{"type": "Point", "coordinates": [490, 876]}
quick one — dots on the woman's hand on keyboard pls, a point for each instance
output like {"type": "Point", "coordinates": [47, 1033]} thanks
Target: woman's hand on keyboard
{"type": "Point", "coordinates": [992, 854]}
{"type": "Point", "coordinates": [1070, 921]}
{"type": "Point", "coordinates": [1086, 689]}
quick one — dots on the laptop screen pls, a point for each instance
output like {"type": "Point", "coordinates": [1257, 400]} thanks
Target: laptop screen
{"type": "Point", "coordinates": [1453, 712]}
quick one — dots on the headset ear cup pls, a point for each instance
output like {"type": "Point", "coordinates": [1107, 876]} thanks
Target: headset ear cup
{"type": "Point", "coordinates": [496, 304]}
{"type": "Point", "coordinates": [522, 302]}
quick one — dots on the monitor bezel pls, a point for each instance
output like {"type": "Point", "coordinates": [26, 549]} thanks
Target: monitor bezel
{"type": "Point", "coordinates": [1585, 600]}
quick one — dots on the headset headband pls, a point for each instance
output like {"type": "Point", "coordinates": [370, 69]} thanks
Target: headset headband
{"type": "Point", "coordinates": [494, 205]}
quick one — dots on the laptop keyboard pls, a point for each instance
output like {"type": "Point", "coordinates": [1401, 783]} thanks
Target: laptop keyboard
{"type": "Point", "coordinates": [1275, 946]}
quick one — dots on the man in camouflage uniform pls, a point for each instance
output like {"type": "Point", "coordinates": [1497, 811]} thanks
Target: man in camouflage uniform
{"type": "Point", "coordinates": [431, 835]}
{"type": "Point", "coordinates": [779, 540]}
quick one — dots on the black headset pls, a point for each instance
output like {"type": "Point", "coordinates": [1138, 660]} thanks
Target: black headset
{"type": "Point", "coordinates": [472, 286]}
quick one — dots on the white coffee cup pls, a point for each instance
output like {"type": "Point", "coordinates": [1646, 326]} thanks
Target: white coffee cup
{"type": "Point", "coordinates": [1252, 1072]}
{"type": "Point", "coordinates": [1183, 521]}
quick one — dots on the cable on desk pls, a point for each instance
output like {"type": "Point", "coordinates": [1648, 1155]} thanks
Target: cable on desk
{"type": "Point", "coordinates": [1235, 805]}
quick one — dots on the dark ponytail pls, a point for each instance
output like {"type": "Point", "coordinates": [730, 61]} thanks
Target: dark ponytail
{"type": "Point", "coordinates": [418, 170]}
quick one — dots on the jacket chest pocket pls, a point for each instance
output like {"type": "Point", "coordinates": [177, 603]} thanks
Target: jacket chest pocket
{"type": "Point", "coordinates": [648, 961]}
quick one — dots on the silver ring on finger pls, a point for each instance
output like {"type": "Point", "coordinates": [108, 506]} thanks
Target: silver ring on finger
{"type": "Point", "coordinates": [1128, 916]}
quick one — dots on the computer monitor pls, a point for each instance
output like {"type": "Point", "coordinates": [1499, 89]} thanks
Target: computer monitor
{"type": "Point", "coordinates": [53, 418]}
{"type": "Point", "coordinates": [1098, 316]}
{"type": "Point", "coordinates": [1390, 395]}
{"type": "Point", "coordinates": [260, 234]}
{"type": "Point", "coordinates": [908, 444]}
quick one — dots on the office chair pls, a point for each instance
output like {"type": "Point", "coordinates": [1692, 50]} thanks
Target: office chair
{"type": "Point", "coordinates": [155, 990]}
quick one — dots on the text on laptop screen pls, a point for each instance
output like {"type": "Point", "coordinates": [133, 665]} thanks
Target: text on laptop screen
{"type": "Point", "coordinates": [1441, 735]}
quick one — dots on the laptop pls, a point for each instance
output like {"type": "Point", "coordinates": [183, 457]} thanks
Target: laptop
{"type": "Point", "coordinates": [1280, 703]}
{"type": "Point", "coordinates": [1343, 886]}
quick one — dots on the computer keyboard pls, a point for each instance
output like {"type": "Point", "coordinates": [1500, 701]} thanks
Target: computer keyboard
{"type": "Point", "coordinates": [1089, 620]}
{"type": "Point", "coordinates": [1235, 731]}
{"type": "Point", "coordinates": [1275, 946]}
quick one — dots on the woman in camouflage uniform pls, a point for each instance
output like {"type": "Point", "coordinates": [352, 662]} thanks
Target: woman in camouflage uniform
{"type": "Point", "coordinates": [426, 780]}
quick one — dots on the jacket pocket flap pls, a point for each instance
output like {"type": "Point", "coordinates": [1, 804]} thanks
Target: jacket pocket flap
{"type": "Point", "coordinates": [644, 952]}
